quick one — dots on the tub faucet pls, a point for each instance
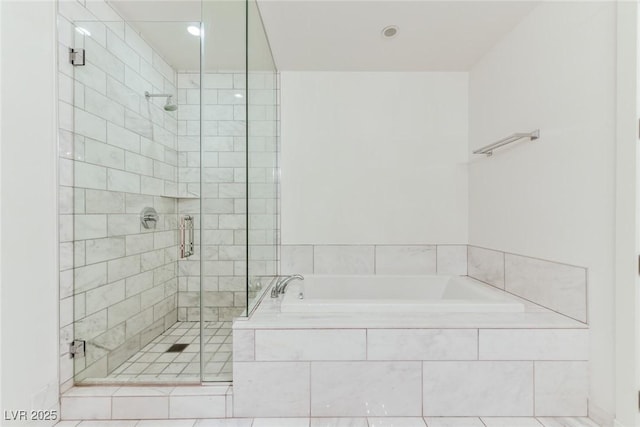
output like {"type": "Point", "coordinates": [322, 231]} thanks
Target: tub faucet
{"type": "Point", "coordinates": [281, 285]}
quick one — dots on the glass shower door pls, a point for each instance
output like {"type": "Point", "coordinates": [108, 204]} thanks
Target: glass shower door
{"type": "Point", "coordinates": [131, 324]}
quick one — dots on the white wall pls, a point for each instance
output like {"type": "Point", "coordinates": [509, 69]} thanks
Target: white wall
{"type": "Point", "coordinates": [28, 210]}
{"type": "Point", "coordinates": [374, 158]}
{"type": "Point", "coordinates": [553, 198]}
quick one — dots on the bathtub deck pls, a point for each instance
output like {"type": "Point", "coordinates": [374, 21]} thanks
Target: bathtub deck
{"type": "Point", "coordinates": [531, 363]}
{"type": "Point", "coordinates": [268, 316]}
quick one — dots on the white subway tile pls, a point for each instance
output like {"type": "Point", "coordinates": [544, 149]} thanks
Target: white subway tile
{"type": "Point", "coordinates": [124, 267]}
{"type": "Point", "coordinates": [90, 176]}
{"type": "Point", "coordinates": [121, 311]}
{"type": "Point", "coordinates": [104, 296]}
{"type": "Point", "coordinates": [123, 138]}
{"type": "Point", "coordinates": [104, 202]}
{"type": "Point", "coordinates": [90, 226]}
{"type": "Point", "coordinates": [98, 250]}
{"type": "Point", "coordinates": [102, 106]}
{"type": "Point", "coordinates": [89, 125]}
{"type": "Point", "coordinates": [118, 180]}
{"type": "Point", "coordinates": [138, 164]}
{"type": "Point", "coordinates": [139, 243]}
{"type": "Point", "coordinates": [217, 81]}
{"type": "Point", "coordinates": [92, 75]}
{"type": "Point", "coordinates": [118, 47]}
{"type": "Point", "coordinates": [133, 39]}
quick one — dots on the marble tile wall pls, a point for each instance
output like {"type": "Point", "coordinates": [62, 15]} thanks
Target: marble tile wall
{"type": "Point", "coordinates": [559, 287]}
{"type": "Point", "coordinates": [224, 186]}
{"type": "Point", "coordinates": [410, 372]}
{"type": "Point", "coordinates": [117, 155]}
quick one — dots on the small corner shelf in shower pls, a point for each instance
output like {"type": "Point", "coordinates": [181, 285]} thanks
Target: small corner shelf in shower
{"type": "Point", "coordinates": [181, 196]}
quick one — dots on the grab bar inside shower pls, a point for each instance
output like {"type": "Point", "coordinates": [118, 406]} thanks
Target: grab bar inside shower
{"type": "Point", "coordinates": [488, 149]}
{"type": "Point", "coordinates": [186, 236]}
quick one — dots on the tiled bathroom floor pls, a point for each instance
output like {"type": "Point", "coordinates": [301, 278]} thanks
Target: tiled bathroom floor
{"type": "Point", "coordinates": [345, 422]}
{"type": "Point", "coordinates": [153, 364]}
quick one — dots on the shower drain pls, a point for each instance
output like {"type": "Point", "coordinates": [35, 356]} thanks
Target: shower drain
{"type": "Point", "coordinates": [176, 348]}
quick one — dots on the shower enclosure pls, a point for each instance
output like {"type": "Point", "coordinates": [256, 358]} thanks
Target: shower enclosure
{"type": "Point", "coordinates": [168, 187]}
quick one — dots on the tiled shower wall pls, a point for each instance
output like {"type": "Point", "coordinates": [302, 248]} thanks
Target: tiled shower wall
{"type": "Point", "coordinates": [224, 175]}
{"type": "Point", "coordinates": [118, 154]}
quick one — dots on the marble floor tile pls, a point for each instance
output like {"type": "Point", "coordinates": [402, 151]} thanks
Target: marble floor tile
{"type": "Point", "coordinates": [153, 364]}
{"type": "Point", "coordinates": [228, 422]}
{"type": "Point", "coordinates": [396, 422]}
{"type": "Point", "coordinates": [166, 423]}
{"type": "Point", "coordinates": [510, 422]}
{"type": "Point", "coordinates": [348, 422]}
{"type": "Point", "coordinates": [339, 422]}
{"type": "Point", "coordinates": [280, 422]}
{"type": "Point", "coordinates": [453, 422]}
{"type": "Point", "coordinates": [567, 422]}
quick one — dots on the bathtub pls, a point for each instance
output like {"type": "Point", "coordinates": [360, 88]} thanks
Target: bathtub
{"type": "Point", "coordinates": [387, 294]}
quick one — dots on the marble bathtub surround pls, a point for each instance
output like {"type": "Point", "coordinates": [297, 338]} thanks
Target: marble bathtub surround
{"type": "Point", "coordinates": [416, 371]}
{"type": "Point", "coordinates": [486, 265]}
{"type": "Point", "coordinates": [559, 287]}
{"type": "Point", "coordinates": [374, 259]}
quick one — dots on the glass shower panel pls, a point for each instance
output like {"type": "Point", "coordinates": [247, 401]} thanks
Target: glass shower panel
{"type": "Point", "coordinates": [262, 158]}
{"type": "Point", "coordinates": [223, 177]}
{"type": "Point", "coordinates": [130, 194]}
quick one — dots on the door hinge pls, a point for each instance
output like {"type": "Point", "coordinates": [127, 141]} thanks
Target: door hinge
{"type": "Point", "coordinates": [76, 57]}
{"type": "Point", "coordinates": [77, 348]}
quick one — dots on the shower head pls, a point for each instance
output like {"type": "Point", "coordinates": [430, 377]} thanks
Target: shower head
{"type": "Point", "coordinates": [168, 106]}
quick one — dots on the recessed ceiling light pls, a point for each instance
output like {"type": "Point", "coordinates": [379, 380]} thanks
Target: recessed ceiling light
{"type": "Point", "coordinates": [83, 31]}
{"type": "Point", "coordinates": [239, 95]}
{"type": "Point", "coordinates": [390, 31]}
{"type": "Point", "coordinates": [193, 30]}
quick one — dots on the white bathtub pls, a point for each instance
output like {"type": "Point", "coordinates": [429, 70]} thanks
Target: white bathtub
{"type": "Point", "coordinates": [386, 294]}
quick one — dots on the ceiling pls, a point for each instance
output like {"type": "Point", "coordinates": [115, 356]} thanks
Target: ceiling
{"type": "Point", "coordinates": [346, 35]}
{"type": "Point", "coordinates": [326, 35]}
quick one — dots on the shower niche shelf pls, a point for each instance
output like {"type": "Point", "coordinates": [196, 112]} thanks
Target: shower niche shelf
{"type": "Point", "coordinates": [180, 196]}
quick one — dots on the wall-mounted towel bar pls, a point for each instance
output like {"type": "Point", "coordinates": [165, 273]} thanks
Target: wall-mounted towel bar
{"type": "Point", "coordinates": [488, 149]}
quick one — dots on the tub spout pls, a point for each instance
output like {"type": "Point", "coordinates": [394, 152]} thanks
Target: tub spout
{"type": "Point", "coordinates": [281, 285]}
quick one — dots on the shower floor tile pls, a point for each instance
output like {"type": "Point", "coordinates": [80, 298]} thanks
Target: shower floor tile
{"type": "Point", "coordinates": [155, 365]}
